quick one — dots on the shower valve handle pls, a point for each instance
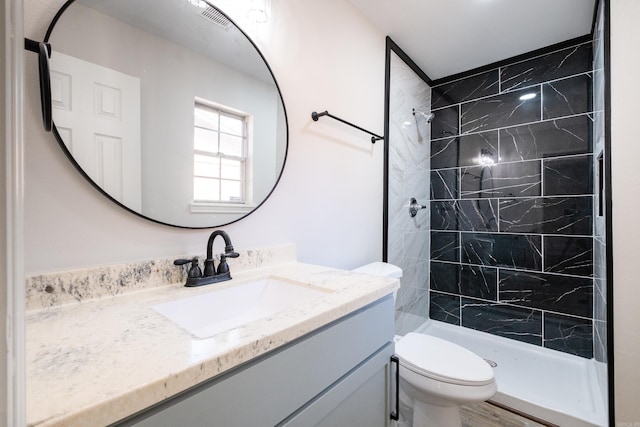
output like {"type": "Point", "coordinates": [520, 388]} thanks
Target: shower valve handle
{"type": "Point", "coordinates": [414, 207]}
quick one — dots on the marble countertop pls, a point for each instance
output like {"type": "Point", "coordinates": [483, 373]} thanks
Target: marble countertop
{"type": "Point", "coordinates": [96, 362]}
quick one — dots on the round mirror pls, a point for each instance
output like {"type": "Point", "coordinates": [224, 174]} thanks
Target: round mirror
{"type": "Point", "coordinates": [167, 108]}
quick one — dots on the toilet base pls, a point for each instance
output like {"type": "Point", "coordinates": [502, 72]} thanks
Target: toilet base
{"type": "Point", "coordinates": [427, 415]}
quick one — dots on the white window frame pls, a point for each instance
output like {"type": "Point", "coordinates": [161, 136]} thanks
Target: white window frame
{"type": "Point", "coordinates": [220, 206]}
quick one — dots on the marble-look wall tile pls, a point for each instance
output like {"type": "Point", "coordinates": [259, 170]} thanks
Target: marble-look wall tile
{"type": "Point", "coordinates": [445, 308]}
{"type": "Point", "coordinates": [444, 184]}
{"type": "Point", "coordinates": [568, 176]}
{"type": "Point", "coordinates": [507, 321]}
{"type": "Point", "coordinates": [465, 150]}
{"type": "Point", "coordinates": [599, 97]}
{"type": "Point", "coordinates": [600, 341]}
{"type": "Point", "coordinates": [403, 297]}
{"type": "Point", "coordinates": [552, 66]}
{"type": "Point", "coordinates": [415, 273]}
{"type": "Point", "coordinates": [477, 148]}
{"type": "Point", "coordinates": [600, 295]}
{"type": "Point", "coordinates": [445, 246]}
{"type": "Point", "coordinates": [444, 276]}
{"type": "Point", "coordinates": [444, 215]}
{"type": "Point", "coordinates": [413, 301]}
{"type": "Point", "coordinates": [598, 100]}
{"type": "Point", "coordinates": [520, 179]}
{"type": "Point", "coordinates": [467, 280]}
{"type": "Point", "coordinates": [548, 215]}
{"type": "Point", "coordinates": [561, 294]}
{"type": "Point", "coordinates": [413, 183]}
{"type": "Point", "coordinates": [445, 122]}
{"type": "Point", "coordinates": [478, 282]}
{"type": "Point", "coordinates": [598, 39]}
{"type": "Point", "coordinates": [404, 155]}
{"type": "Point", "coordinates": [525, 198]}
{"type": "Point", "coordinates": [416, 246]}
{"type": "Point", "coordinates": [477, 86]}
{"type": "Point", "coordinates": [408, 244]}
{"type": "Point", "coordinates": [467, 215]}
{"type": "Point", "coordinates": [567, 97]}
{"type": "Point", "coordinates": [600, 336]}
{"type": "Point", "coordinates": [599, 251]}
{"type": "Point", "coordinates": [407, 322]}
{"type": "Point", "coordinates": [445, 153]}
{"type": "Point", "coordinates": [549, 138]}
{"type": "Point", "coordinates": [502, 250]}
{"type": "Point", "coordinates": [477, 215]}
{"type": "Point", "coordinates": [505, 109]}
{"type": "Point", "coordinates": [568, 334]}
{"type": "Point", "coordinates": [568, 255]}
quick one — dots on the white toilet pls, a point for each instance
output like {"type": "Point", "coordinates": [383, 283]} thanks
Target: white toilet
{"type": "Point", "coordinates": [436, 376]}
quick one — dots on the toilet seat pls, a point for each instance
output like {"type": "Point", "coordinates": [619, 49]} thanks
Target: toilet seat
{"type": "Point", "coordinates": [442, 360]}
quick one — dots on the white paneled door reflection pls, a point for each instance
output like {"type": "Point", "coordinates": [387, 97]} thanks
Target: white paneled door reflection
{"type": "Point", "coordinates": [97, 113]}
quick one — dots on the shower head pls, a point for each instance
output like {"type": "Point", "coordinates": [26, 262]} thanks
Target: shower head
{"type": "Point", "coordinates": [428, 116]}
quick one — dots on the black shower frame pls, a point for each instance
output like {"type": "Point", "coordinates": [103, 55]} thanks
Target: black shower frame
{"type": "Point", "coordinates": [391, 46]}
{"type": "Point", "coordinates": [608, 203]}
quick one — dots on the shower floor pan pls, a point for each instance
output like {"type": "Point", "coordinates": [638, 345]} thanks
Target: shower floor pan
{"type": "Point", "coordinates": [559, 388]}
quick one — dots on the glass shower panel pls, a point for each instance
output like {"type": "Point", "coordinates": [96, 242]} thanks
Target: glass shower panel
{"type": "Point", "coordinates": [408, 244]}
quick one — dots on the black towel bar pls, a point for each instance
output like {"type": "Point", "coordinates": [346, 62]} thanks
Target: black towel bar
{"type": "Point", "coordinates": [315, 116]}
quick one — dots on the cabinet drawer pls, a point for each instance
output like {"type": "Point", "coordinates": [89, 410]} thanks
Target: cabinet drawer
{"type": "Point", "coordinates": [359, 399]}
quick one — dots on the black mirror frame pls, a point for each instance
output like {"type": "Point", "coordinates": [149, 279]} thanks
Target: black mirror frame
{"type": "Point", "coordinates": [49, 125]}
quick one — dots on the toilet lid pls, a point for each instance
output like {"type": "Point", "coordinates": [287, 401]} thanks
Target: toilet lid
{"type": "Point", "coordinates": [442, 360]}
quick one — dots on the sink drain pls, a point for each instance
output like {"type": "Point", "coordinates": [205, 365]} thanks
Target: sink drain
{"type": "Point", "coordinates": [491, 363]}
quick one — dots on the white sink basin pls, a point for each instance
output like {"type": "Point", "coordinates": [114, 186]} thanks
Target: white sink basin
{"type": "Point", "coordinates": [207, 314]}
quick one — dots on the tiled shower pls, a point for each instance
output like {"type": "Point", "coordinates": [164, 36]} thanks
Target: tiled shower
{"type": "Point", "coordinates": [512, 240]}
{"type": "Point", "coordinates": [512, 200]}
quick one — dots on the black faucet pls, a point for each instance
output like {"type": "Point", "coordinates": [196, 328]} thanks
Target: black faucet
{"type": "Point", "coordinates": [196, 277]}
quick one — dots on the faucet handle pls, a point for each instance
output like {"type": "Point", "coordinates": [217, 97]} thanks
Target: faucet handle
{"type": "Point", "coordinates": [223, 267]}
{"type": "Point", "coordinates": [194, 271]}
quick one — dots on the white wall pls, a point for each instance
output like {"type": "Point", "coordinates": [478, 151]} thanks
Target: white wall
{"type": "Point", "coordinates": [625, 152]}
{"type": "Point", "coordinates": [329, 201]}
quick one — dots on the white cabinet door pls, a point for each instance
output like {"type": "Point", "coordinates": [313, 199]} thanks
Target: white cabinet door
{"type": "Point", "coordinates": [97, 113]}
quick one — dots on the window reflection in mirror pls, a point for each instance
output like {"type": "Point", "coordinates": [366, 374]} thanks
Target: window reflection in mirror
{"type": "Point", "coordinates": [221, 150]}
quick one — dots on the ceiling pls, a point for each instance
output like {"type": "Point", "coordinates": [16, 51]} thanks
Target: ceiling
{"type": "Point", "coordinates": [446, 37]}
{"type": "Point", "coordinates": [191, 26]}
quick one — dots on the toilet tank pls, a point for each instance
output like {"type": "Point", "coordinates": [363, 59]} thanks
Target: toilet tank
{"type": "Point", "coordinates": [381, 269]}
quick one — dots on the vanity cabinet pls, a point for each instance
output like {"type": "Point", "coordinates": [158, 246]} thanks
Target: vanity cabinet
{"type": "Point", "coordinates": [338, 375]}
